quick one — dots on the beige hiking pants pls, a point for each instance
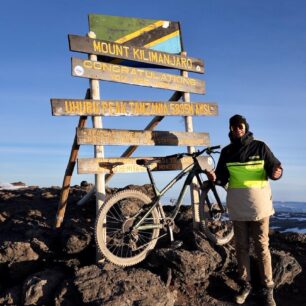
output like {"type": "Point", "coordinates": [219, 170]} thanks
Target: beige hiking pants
{"type": "Point", "coordinates": [259, 232]}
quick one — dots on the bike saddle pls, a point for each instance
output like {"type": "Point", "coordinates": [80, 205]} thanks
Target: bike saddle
{"type": "Point", "coordinates": [141, 162]}
{"type": "Point", "coordinates": [146, 162]}
{"type": "Point", "coordinates": [110, 164]}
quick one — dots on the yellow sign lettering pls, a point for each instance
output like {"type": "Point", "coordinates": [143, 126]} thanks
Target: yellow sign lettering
{"type": "Point", "coordinates": [104, 47]}
{"type": "Point", "coordinates": [136, 53]}
{"type": "Point", "coordinates": [153, 57]}
{"type": "Point", "coordinates": [97, 46]}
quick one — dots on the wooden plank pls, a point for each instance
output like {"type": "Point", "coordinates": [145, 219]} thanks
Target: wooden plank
{"type": "Point", "coordinates": [143, 138]}
{"type": "Point", "coordinates": [131, 149]}
{"type": "Point", "coordinates": [128, 165]}
{"type": "Point", "coordinates": [136, 76]}
{"type": "Point", "coordinates": [150, 127]}
{"type": "Point", "coordinates": [73, 107]}
{"type": "Point", "coordinates": [136, 54]}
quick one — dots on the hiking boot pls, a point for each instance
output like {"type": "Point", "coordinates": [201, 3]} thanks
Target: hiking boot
{"type": "Point", "coordinates": [243, 293]}
{"type": "Point", "coordinates": [267, 295]}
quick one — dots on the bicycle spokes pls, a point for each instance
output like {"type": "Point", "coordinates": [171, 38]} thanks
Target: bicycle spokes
{"type": "Point", "coordinates": [118, 237]}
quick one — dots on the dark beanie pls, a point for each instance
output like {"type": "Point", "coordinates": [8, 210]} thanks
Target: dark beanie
{"type": "Point", "coordinates": [238, 119]}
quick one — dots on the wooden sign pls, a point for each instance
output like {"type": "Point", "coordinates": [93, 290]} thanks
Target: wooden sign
{"type": "Point", "coordinates": [136, 76]}
{"type": "Point", "coordinates": [111, 49]}
{"type": "Point", "coordinates": [71, 107]}
{"type": "Point", "coordinates": [144, 138]}
{"type": "Point", "coordinates": [128, 165]}
{"type": "Point", "coordinates": [161, 35]}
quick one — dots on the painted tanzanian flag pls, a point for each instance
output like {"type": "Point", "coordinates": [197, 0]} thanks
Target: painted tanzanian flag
{"type": "Point", "coordinates": [158, 35]}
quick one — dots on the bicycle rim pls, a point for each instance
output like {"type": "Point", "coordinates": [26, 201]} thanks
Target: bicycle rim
{"type": "Point", "coordinates": [115, 234]}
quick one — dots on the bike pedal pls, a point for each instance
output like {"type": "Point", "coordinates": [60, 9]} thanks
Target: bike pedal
{"type": "Point", "coordinates": [176, 244]}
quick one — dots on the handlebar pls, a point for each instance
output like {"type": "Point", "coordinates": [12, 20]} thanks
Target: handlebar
{"type": "Point", "coordinates": [208, 150]}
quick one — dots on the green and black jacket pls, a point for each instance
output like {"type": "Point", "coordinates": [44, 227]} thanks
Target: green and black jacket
{"type": "Point", "coordinates": [245, 165]}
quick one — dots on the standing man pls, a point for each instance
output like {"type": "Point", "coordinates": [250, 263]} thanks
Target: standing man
{"type": "Point", "coordinates": [245, 165]}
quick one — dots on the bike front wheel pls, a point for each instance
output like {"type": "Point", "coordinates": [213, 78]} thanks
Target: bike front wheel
{"type": "Point", "coordinates": [116, 235]}
{"type": "Point", "coordinates": [214, 220]}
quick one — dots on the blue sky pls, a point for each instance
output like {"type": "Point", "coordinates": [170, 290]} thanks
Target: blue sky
{"type": "Point", "coordinates": [255, 57]}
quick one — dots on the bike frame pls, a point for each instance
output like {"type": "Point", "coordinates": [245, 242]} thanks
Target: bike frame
{"type": "Point", "coordinates": [192, 170]}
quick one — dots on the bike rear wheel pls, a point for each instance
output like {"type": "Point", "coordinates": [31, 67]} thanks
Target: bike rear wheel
{"type": "Point", "coordinates": [214, 222]}
{"type": "Point", "coordinates": [115, 232]}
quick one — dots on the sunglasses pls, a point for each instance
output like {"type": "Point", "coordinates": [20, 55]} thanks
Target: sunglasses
{"type": "Point", "coordinates": [240, 126]}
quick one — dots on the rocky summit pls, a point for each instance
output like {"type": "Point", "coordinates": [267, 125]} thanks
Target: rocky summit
{"type": "Point", "coordinates": [40, 265]}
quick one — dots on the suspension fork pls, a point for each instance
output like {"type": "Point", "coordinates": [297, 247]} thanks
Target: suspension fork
{"type": "Point", "coordinates": [202, 187]}
{"type": "Point", "coordinates": [212, 186]}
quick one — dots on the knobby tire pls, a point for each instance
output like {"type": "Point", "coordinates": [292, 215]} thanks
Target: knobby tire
{"type": "Point", "coordinates": [115, 235]}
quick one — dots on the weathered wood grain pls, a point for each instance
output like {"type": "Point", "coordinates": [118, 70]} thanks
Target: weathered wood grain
{"type": "Point", "coordinates": [129, 165]}
{"type": "Point", "coordinates": [129, 75]}
{"type": "Point", "coordinates": [143, 138]}
{"type": "Point", "coordinates": [72, 107]}
{"type": "Point", "coordinates": [137, 54]}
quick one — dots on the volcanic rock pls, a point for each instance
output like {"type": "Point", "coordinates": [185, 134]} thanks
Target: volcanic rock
{"type": "Point", "coordinates": [40, 265]}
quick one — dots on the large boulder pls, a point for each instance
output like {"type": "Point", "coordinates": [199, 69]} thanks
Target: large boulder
{"type": "Point", "coordinates": [114, 286]}
{"type": "Point", "coordinates": [16, 252]}
{"type": "Point", "coordinates": [285, 268]}
{"type": "Point", "coordinates": [39, 288]}
{"type": "Point", "coordinates": [75, 239]}
{"type": "Point", "coordinates": [18, 259]}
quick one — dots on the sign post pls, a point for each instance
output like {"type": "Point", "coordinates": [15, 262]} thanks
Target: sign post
{"type": "Point", "coordinates": [121, 49]}
{"type": "Point", "coordinates": [135, 76]}
{"type": "Point", "coordinates": [131, 149]}
{"type": "Point", "coordinates": [115, 108]}
{"type": "Point", "coordinates": [97, 123]}
{"type": "Point", "coordinates": [98, 149]}
{"type": "Point", "coordinates": [136, 54]}
{"type": "Point", "coordinates": [194, 188]}
{"type": "Point", "coordinates": [68, 174]}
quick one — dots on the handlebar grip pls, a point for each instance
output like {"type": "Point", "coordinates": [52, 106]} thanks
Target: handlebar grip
{"type": "Point", "coordinates": [214, 148]}
{"type": "Point", "coordinates": [170, 156]}
{"type": "Point", "coordinates": [178, 155]}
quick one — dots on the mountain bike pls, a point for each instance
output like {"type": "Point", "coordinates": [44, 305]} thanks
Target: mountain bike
{"type": "Point", "coordinates": [128, 224]}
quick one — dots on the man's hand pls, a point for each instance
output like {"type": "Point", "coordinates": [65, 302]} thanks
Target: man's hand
{"type": "Point", "coordinates": [277, 172]}
{"type": "Point", "coordinates": [211, 175]}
